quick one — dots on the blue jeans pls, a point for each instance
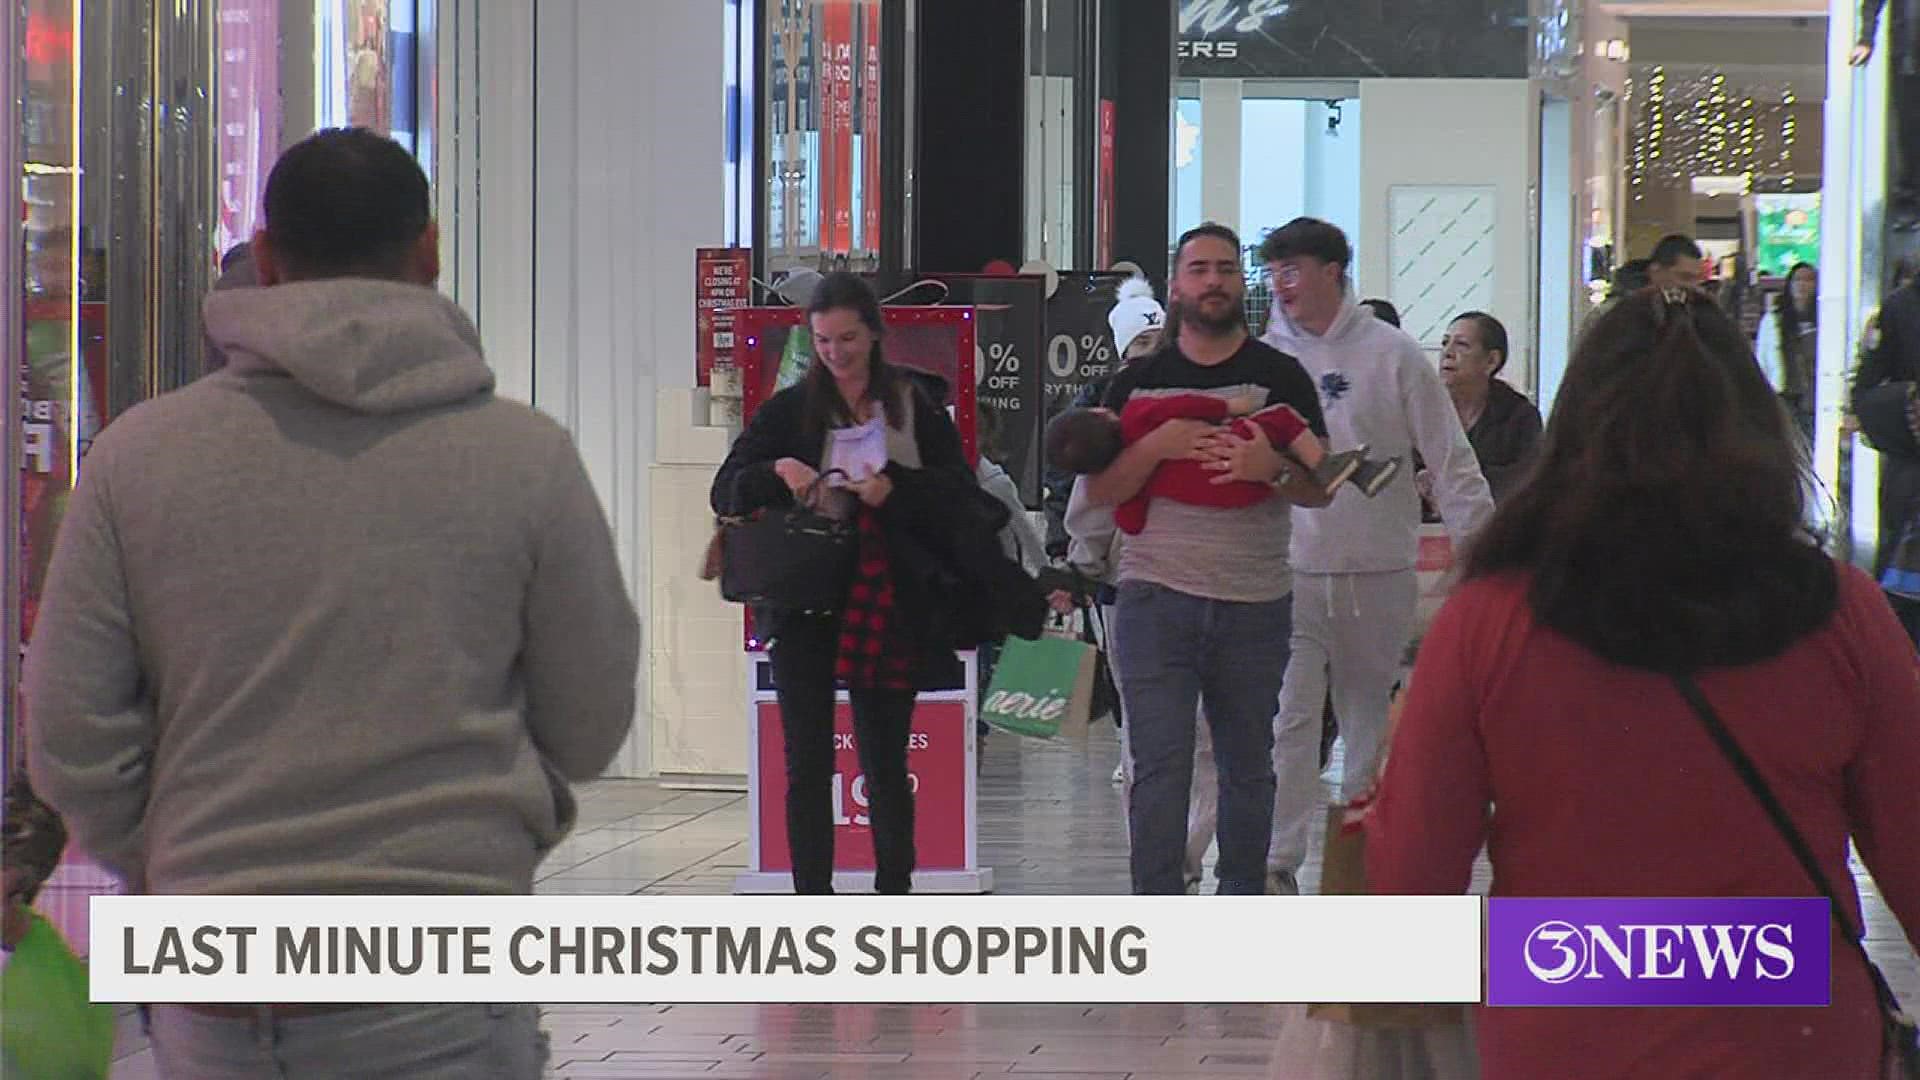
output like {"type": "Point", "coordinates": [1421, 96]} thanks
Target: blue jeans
{"type": "Point", "coordinates": [1177, 653]}
{"type": "Point", "coordinates": [377, 1042]}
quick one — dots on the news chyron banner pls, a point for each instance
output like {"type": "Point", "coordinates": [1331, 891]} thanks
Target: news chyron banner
{"type": "Point", "coordinates": [753, 949]}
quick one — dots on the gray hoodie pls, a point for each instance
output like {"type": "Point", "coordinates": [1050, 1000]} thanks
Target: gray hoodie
{"type": "Point", "coordinates": [1377, 387]}
{"type": "Point", "coordinates": [334, 619]}
{"type": "Point", "coordinates": [1020, 540]}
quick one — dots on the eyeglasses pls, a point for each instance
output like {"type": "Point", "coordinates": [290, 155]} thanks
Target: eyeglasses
{"type": "Point", "coordinates": [1288, 274]}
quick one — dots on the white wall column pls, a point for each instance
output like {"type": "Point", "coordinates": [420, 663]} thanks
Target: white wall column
{"type": "Point", "coordinates": [1455, 156]}
{"type": "Point", "coordinates": [1852, 256]}
{"type": "Point", "coordinates": [628, 179]}
{"type": "Point", "coordinates": [1220, 152]}
{"type": "Point", "coordinates": [485, 144]}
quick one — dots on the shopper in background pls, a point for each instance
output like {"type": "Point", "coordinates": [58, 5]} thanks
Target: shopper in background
{"type": "Point", "coordinates": [237, 271]}
{"type": "Point", "coordinates": [1502, 425]}
{"type": "Point", "coordinates": [1893, 358]}
{"type": "Point", "coordinates": [333, 620]}
{"type": "Point", "coordinates": [889, 639]}
{"type": "Point", "coordinates": [1384, 311]}
{"type": "Point", "coordinates": [1354, 586]}
{"type": "Point", "coordinates": [1083, 534]}
{"type": "Point", "coordinates": [1138, 323]}
{"type": "Point", "coordinates": [1205, 592]}
{"type": "Point", "coordinates": [1020, 541]}
{"type": "Point", "coordinates": [1673, 545]}
{"type": "Point", "coordinates": [1677, 262]}
{"type": "Point", "coordinates": [1903, 202]}
{"type": "Point", "coordinates": [1787, 345]}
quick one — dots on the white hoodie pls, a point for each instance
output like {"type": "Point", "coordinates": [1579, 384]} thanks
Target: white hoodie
{"type": "Point", "coordinates": [1377, 387]}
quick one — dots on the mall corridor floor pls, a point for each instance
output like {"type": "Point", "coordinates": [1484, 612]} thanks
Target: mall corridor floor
{"type": "Point", "coordinates": [1050, 823]}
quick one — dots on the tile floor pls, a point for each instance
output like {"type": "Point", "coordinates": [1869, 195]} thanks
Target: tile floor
{"type": "Point", "coordinates": [1050, 823]}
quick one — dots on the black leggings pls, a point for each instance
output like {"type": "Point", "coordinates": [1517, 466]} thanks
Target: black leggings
{"type": "Point", "coordinates": [803, 661]}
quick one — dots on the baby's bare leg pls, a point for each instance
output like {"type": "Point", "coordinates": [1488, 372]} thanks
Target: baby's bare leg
{"type": "Point", "coordinates": [1306, 450]}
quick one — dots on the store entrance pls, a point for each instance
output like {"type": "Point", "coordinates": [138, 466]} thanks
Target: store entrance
{"type": "Point", "coordinates": [1254, 154]}
{"type": "Point", "coordinates": [146, 135]}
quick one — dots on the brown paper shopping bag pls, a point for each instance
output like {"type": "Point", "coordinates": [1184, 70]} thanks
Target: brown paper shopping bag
{"type": "Point", "coordinates": [1344, 873]}
{"type": "Point", "coordinates": [1043, 688]}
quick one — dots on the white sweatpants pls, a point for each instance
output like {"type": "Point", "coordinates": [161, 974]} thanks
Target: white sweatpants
{"type": "Point", "coordinates": [1350, 634]}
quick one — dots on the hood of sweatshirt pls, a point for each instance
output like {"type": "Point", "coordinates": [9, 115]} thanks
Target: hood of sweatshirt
{"type": "Point", "coordinates": [1283, 332]}
{"type": "Point", "coordinates": [376, 347]}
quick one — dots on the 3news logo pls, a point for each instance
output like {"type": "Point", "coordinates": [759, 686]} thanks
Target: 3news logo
{"type": "Point", "coordinates": [1659, 952]}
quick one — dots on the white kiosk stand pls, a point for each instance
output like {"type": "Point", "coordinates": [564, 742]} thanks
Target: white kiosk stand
{"type": "Point", "coordinates": [941, 764]}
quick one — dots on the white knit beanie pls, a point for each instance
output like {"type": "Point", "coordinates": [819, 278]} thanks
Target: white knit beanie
{"type": "Point", "coordinates": [1135, 314]}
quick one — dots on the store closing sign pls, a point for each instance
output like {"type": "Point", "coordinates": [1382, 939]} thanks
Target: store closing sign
{"type": "Point", "coordinates": [722, 284]}
{"type": "Point", "coordinates": [936, 772]}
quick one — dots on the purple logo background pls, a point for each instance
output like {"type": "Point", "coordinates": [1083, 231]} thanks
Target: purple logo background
{"type": "Point", "coordinates": [1547, 952]}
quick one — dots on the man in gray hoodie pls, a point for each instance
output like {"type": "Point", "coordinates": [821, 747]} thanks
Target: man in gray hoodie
{"type": "Point", "coordinates": [332, 620]}
{"type": "Point", "coordinates": [1354, 590]}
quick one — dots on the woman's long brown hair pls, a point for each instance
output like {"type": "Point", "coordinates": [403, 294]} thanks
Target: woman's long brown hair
{"type": "Point", "coordinates": [1664, 526]}
{"type": "Point", "coordinates": [824, 407]}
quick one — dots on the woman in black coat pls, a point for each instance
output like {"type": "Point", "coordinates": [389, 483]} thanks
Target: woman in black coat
{"type": "Point", "coordinates": [1888, 371]}
{"type": "Point", "coordinates": [896, 632]}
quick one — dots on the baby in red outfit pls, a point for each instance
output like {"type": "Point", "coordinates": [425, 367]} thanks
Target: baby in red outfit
{"type": "Point", "coordinates": [1087, 441]}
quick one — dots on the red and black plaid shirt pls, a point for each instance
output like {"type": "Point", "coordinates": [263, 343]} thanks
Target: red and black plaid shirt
{"type": "Point", "coordinates": [876, 649]}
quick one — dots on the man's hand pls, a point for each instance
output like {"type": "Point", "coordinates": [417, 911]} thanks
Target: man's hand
{"type": "Point", "coordinates": [1177, 439]}
{"type": "Point", "coordinates": [1238, 459]}
{"type": "Point", "coordinates": [1861, 53]}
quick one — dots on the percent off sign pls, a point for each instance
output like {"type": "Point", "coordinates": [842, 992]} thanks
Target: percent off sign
{"type": "Point", "coordinates": [1086, 357]}
{"type": "Point", "coordinates": [1002, 366]}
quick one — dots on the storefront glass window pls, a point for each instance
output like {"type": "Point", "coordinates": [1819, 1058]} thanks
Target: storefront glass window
{"type": "Point", "coordinates": [364, 72]}
{"type": "Point", "coordinates": [822, 101]}
{"type": "Point", "coordinates": [1186, 164]}
{"type": "Point", "coordinates": [366, 65]}
{"type": "Point", "coordinates": [248, 113]}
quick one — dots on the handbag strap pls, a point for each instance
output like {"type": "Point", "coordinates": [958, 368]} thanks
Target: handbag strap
{"type": "Point", "coordinates": [1757, 784]}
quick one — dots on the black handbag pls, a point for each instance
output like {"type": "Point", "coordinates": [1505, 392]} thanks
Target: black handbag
{"type": "Point", "coordinates": [1889, 417]}
{"type": "Point", "coordinates": [1900, 1038]}
{"type": "Point", "coordinates": [791, 558]}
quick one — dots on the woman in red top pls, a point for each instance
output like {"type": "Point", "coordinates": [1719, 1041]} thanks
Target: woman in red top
{"type": "Point", "coordinates": [1662, 533]}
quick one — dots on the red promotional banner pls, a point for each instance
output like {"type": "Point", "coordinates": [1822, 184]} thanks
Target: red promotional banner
{"type": "Point", "coordinates": [53, 430]}
{"type": "Point", "coordinates": [249, 113]}
{"type": "Point", "coordinates": [1103, 237]}
{"type": "Point", "coordinates": [870, 134]}
{"type": "Point", "coordinates": [721, 284]}
{"type": "Point", "coordinates": [836, 128]}
{"type": "Point", "coordinates": [936, 767]}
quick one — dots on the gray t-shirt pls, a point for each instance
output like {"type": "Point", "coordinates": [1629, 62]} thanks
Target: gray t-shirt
{"type": "Point", "coordinates": [1240, 554]}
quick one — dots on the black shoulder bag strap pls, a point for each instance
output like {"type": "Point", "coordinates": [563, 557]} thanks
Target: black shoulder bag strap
{"type": "Point", "coordinates": [1901, 1033]}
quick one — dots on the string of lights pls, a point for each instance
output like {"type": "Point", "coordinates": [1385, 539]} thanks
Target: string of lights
{"type": "Point", "coordinates": [1686, 127]}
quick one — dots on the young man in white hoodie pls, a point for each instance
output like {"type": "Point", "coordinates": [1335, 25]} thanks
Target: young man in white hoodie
{"type": "Point", "coordinates": [1354, 588]}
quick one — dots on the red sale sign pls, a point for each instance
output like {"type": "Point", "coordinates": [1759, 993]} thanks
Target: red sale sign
{"type": "Point", "coordinates": [936, 767]}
